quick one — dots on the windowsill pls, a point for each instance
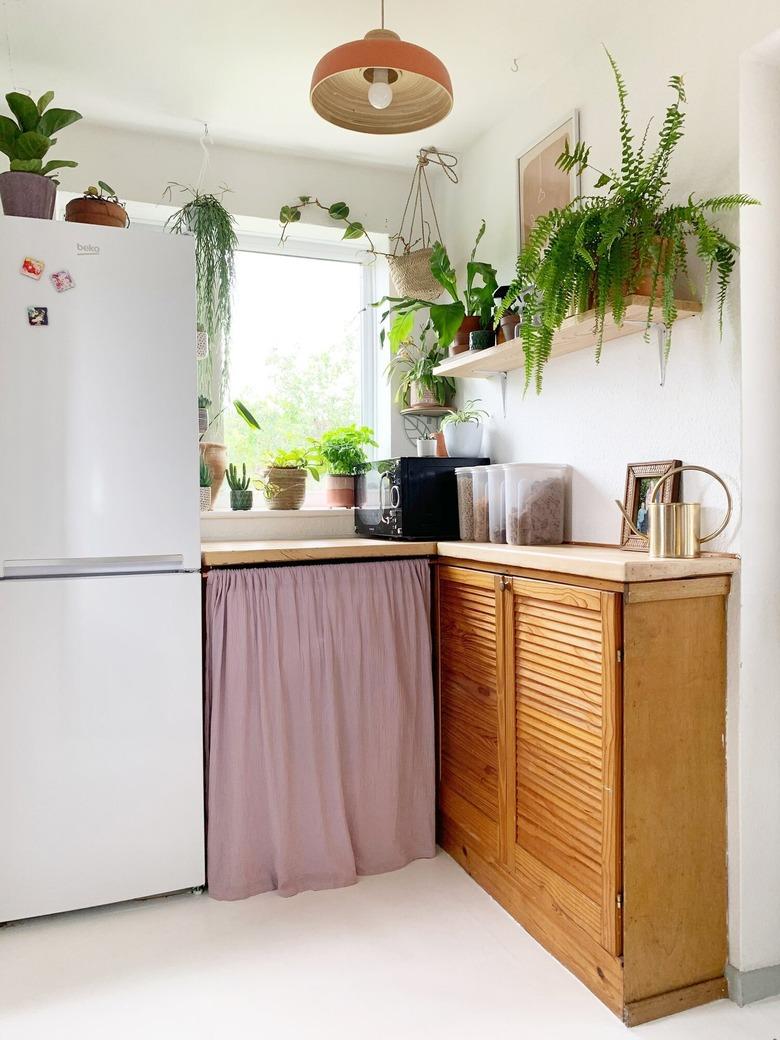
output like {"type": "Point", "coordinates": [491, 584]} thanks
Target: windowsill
{"type": "Point", "coordinates": [310, 513]}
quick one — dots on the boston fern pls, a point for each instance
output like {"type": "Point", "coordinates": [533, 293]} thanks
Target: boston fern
{"type": "Point", "coordinates": [594, 252]}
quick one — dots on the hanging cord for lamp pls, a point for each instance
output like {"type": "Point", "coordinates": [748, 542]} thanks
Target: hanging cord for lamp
{"type": "Point", "coordinates": [382, 5]}
{"type": "Point", "coordinates": [7, 29]}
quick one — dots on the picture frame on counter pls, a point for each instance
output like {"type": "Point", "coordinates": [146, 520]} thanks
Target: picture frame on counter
{"type": "Point", "coordinates": [541, 186]}
{"type": "Point", "coordinates": [641, 478]}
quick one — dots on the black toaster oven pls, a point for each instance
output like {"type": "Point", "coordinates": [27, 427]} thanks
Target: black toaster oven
{"type": "Point", "coordinates": [410, 499]}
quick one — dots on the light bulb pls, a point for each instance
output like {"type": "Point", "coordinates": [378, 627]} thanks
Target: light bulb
{"type": "Point", "coordinates": [380, 93]}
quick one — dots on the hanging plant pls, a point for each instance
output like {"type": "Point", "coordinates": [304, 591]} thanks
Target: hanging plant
{"type": "Point", "coordinates": [205, 217]}
{"type": "Point", "coordinates": [337, 211]}
{"type": "Point", "coordinates": [600, 249]}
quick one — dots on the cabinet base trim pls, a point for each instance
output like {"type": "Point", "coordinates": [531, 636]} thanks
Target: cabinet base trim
{"type": "Point", "coordinates": [598, 970]}
{"type": "Point", "coordinates": [677, 1000]}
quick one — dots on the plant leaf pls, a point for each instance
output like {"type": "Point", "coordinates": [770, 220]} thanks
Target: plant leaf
{"type": "Point", "coordinates": [57, 164]}
{"type": "Point", "coordinates": [246, 415]}
{"type": "Point", "coordinates": [354, 230]}
{"type": "Point", "coordinates": [447, 318]}
{"type": "Point", "coordinates": [25, 110]}
{"type": "Point", "coordinates": [338, 211]}
{"type": "Point", "coordinates": [26, 165]}
{"type": "Point", "coordinates": [57, 119]}
{"type": "Point", "coordinates": [31, 145]}
{"type": "Point", "coordinates": [9, 132]}
{"type": "Point", "coordinates": [106, 188]}
{"type": "Point", "coordinates": [443, 271]}
{"type": "Point", "coordinates": [44, 101]}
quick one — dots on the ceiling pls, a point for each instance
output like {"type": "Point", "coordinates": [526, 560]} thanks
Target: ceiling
{"type": "Point", "coordinates": [244, 67]}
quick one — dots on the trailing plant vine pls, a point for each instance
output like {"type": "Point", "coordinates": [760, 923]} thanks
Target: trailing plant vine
{"type": "Point", "coordinates": [591, 253]}
{"type": "Point", "coordinates": [338, 211]}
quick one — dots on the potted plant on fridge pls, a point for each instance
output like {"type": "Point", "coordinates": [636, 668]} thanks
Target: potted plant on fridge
{"type": "Point", "coordinates": [418, 386]}
{"type": "Point", "coordinates": [240, 491]}
{"type": "Point", "coordinates": [204, 404]}
{"type": "Point", "coordinates": [98, 205]}
{"type": "Point", "coordinates": [603, 248]}
{"type": "Point", "coordinates": [28, 189]}
{"type": "Point", "coordinates": [462, 430]}
{"type": "Point", "coordinates": [470, 309]}
{"type": "Point", "coordinates": [284, 482]}
{"type": "Point", "coordinates": [342, 451]}
{"type": "Point", "coordinates": [205, 486]}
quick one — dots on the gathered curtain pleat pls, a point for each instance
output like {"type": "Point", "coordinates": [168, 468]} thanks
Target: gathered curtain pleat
{"type": "Point", "coordinates": [319, 725]}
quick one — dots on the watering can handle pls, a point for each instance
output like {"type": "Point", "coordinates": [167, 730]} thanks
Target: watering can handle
{"type": "Point", "coordinates": [710, 473]}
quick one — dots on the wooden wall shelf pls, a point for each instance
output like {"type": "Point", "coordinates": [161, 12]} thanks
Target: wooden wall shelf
{"type": "Point", "coordinates": [576, 333]}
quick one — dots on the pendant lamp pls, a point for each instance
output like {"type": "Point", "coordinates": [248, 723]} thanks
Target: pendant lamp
{"type": "Point", "coordinates": [381, 85]}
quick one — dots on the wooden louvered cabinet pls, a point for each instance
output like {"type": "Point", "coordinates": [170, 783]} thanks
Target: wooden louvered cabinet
{"type": "Point", "coordinates": [572, 782]}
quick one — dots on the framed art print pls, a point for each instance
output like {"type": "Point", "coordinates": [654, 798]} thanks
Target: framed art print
{"type": "Point", "coordinates": [641, 478]}
{"type": "Point", "coordinates": [541, 186]}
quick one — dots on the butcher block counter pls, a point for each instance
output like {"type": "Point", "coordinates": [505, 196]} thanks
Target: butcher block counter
{"type": "Point", "coordinates": [233, 554]}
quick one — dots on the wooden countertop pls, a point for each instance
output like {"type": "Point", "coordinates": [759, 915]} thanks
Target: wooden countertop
{"type": "Point", "coordinates": [587, 561]}
{"type": "Point", "coordinates": [229, 554]}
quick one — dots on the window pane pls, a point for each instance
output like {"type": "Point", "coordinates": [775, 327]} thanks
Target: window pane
{"type": "Point", "coordinates": [295, 352]}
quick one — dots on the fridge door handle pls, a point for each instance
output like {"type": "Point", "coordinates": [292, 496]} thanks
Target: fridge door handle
{"type": "Point", "coordinates": [92, 565]}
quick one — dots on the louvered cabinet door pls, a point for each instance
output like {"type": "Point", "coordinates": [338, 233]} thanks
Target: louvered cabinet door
{"type": "Point", "coordinates": [471, 703]}
{"type": "Point", "coordinates": [565, 720]}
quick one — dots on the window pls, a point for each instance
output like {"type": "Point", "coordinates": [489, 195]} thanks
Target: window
{"type": "Point", "coordinates": [302, 351]}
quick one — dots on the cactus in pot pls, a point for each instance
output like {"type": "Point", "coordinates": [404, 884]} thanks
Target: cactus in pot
{"type": "Point", "coordinates": [240, 491]}
{"type": "Point", "coordinates": [205, 486]}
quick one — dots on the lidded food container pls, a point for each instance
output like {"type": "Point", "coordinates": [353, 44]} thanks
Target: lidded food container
{"type": "Point", "coordinates": [465, 503]}
{"type": "Point", "coordinates": [496, 503]}
{"type": "Point", "coordinates": [535, 503]}
{"type": "Point", "coordinates": [479, 481]}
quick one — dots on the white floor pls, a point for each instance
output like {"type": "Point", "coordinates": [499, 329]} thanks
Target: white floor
{"type": "Point", "coordinates": [421, 953]}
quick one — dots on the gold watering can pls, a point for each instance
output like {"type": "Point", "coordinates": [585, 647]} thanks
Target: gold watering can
{"type": "Point", "coordinates": [675, 527]}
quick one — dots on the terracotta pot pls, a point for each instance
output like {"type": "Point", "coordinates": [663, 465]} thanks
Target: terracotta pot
{"type": "Point", "coordinates": [96, 211]}
{"type": "Point", "coordinates": [215, 457]}
{"type": "Point", "coordinates": [461, 342]}
{"type": "Point", "coordinates": [506, 328]}
{"type": "Point", "coordinates": [441, 447]}
{"type": "Point", "coordinates": [643, 283]}
{"type": "Point", "coordinates": [419, 396]}
{"type": "Point", "coordinates": [340, 491]}
{"type": "Point", "coordinates": [27, 195]}
{"type": "Point", "coordinates": [289, 487]}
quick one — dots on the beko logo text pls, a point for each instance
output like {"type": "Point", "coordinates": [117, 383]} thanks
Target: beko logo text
{"type": "Point", "coordinates": [86, 249]}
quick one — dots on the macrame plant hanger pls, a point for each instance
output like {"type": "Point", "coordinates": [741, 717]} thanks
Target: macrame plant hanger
{"type": "Point", "coordinates": [410, 267]}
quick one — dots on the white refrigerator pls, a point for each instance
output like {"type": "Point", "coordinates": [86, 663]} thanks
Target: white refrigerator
{"type": "Point", "coordinates": [101, 754]}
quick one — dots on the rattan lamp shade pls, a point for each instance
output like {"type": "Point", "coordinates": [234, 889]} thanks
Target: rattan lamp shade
{"type": "Point", "coordinates": [422, 91]}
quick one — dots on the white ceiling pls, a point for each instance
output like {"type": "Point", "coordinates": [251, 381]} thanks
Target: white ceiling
{"type": "Point", "coordinates": [244, 66]}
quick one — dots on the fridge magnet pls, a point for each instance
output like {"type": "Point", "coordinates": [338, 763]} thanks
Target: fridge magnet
{"type": "Point", "coordinates": [32, 268]}
{"type": "Point", "coordinates": [38, 315]}
{"type": "Point", "coordinates": [62, 281]}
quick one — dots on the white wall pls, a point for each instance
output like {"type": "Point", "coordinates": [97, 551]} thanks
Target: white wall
{"type": "Point", "coordinates": [598, 419]}
{"type": "Point", "coordinates": [757, 750]}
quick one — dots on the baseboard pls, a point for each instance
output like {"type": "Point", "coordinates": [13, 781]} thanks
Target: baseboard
{"type": "Point", "coordinates": [745, 987]}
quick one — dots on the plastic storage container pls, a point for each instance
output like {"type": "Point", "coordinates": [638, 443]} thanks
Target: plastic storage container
{"type": "Point", "coordinates": [479, 480]}
{"type": "Point", "coordinates": [535, 503]}
{"type": "Point", "coordinates": [496, 503]}
{"type": "Point", "coordinates": [465, 502]}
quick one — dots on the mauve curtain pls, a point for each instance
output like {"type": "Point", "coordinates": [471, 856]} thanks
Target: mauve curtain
{"type": "Point", "coordinates": [319, 725]}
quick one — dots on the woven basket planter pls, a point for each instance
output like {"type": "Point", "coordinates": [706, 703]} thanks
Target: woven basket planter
{"type": "Point", "coordinates": [288, 488]}
{"type": "Point", "coordinates": [411, 274]}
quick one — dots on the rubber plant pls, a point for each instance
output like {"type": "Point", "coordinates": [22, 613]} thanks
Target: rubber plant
{"type": "Point", "coordinates": [338, 211]}
{"type": "Point", "coordinates": [213, 227]}
{"type": "Point", "coordinates": [476, 299]}
{"type": "Point", "coordinates": [593, 252]}
{"type": "Point", "coordinates": [27, 141]}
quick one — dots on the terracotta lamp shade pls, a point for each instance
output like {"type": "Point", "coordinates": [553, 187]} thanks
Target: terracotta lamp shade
{"type": "Point", "coordinates": [420, 84]}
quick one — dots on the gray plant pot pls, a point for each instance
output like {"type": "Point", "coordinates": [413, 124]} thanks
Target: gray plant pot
{"type": "Point", "coordinates": [27, 195]}
{"type": "Point", "coordinates": [240, 498]}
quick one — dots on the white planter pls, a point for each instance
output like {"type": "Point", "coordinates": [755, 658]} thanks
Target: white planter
{"type": "Point", "coordinates": [463, 440]}
{"type": "Point", "coordinates": [426, 448]}
{"type": "Point", "coordinates": [201, 344]}
{"type": "Point", "coordinates": [205, 499]}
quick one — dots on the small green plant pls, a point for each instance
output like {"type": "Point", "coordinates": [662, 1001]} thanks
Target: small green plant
{"type": "Point", "coordinates": [591, 253]}
{"type": "Point", "coordinates": [296, 458]}
{"type": "Point", "coordinates": [236, 482]}
{"type": "Point", "coordinates": [342, 449]}
{"type": "Point", "coordinates": [206, 479]}
{"type": "Point", "coordinates": [239, 406]}
{"type": "Point", "coordinates": [475, 300]}
{"type": "Point", "coordinates": [467, 414]}
{"type": "Point", "coordinates": [338, 211]}
{"type": "Point", "coordinates": [103, 192]}
{"type": "Point", "coordinates": [203, 401]}
{"type": "Point", "coordinates": [205, 217]}
{"type": "Point", "coordinates": [415, 362]}
{"type": "Point", "coordinates": [27, 140]}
